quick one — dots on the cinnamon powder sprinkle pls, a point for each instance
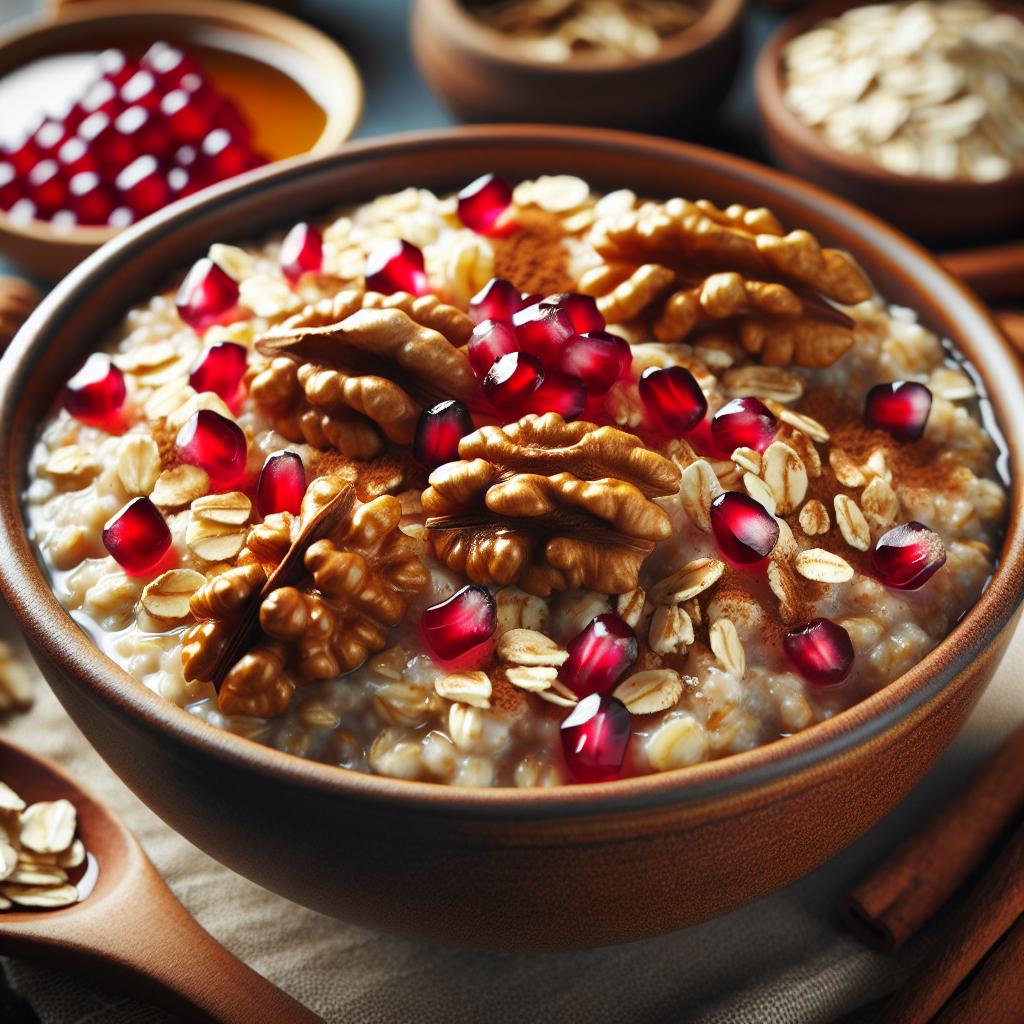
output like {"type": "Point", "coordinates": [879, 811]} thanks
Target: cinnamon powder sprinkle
{"type": "Point", "coordinates": [534, 257]}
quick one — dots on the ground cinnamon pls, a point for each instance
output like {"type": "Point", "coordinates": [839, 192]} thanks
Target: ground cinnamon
{"type": "Point", "coordinates": [993, 907]}
{"type": "Point", "coordinates": [534, 257]}
{"type": "Point", "coordinates": [896, 899]}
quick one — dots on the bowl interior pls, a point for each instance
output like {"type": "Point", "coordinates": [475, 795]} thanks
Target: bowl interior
{"type": "Point", "coordinates": [73, 319]}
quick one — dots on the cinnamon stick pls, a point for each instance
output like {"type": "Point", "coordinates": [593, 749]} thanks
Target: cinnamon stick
{"type": "Point", "coordinates": [899, 896]}
{"type": "Point", "coordinates": [995, 994]}
{"type": "Point", "coordinates": [992, 908]}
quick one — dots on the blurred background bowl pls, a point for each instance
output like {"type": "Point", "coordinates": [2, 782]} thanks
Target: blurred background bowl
{"type": "Point", "coordinates": [286, 53]}
{"type": "Point", "coordinates": [478, 73]}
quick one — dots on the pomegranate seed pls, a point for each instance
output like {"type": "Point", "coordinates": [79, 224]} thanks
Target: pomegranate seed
{"type": "Point", "coordinates": [101, 97]}
{"type": "Point", "coordinates": [512, 380]}
{"type": "Point", "coordinates": [145, 132]}
{"type": "Point", "coordinates": [560, 393]}
{"type": "Point", "coordinates": [597, 358]}
{"type": "Point", "coordinates": [482, 204]}
{"type": "Point", "coordinates": [439, 431]}
{"type": "Point", "coordinates": [302, 252]}
{"type": "Point", "coordinates": [225, 116]}
{"type": "Point", "coordinates": [673, 398]}
{"type": "Point", "coordinates": [542, 331]}
{"type": "Point", "coordinates": [745, 530]}
{"type": "Point", "coordinates": [821, 650]}
{"type": "Point", "coordinates": [454, 627]}
{"type": "Point", "coordinates": [97, 391]}
{"type": "Point", "coordinates": [600, 655]}
{"type": "Point", "coordinates": [207, 296]}
{"type": "Point", "coordinates": [185, 118]}
{"type": "Point", "coordinates": [111, 149]}
{"type": "Point", "coordinates": [743, 423]}
{"type": "Point", "coordinates": [901, 408]}
{"type": "Point", "coordinates": [74, 157]}
{"type": "Point", "coordinates": [595, 735]}
{"type": "Point", "coordinates": [143, 186]}
{"type": "Point", "coordinates": [25, 157]}
{"type": "Point", "coordinates": [91, 201]}
{"type": "Point", "coordinates": [214, 443]}
{"type": "Point", "coordinates": [168, 63]}
{"type": "Point", "coordinates": [137, 536]}
{"type": "Point", "coordinates": [497, 300]}
{"type": "Point", "coordinates": [396, 266]}
{"type": "Point", "coordinates": [223, 154]}
{"type": "Point", "coordinates": [115, 67]}
{"type": "Point", "coordinates": [490, 340]}
{"type": "Point", "coordinates": [10, 190]}
{"type": "Point", "coordinates": [23, 210]}
{"type": "Point", "coordinates": [48, 137]}
{"type": "Point", "coordinates": [141, 88]}
{"type": "Point", "coordinates": [907, 556]}
{"type": "Point", "coordinates": [220, 369]}
{"type": "Point", "coordinates": [47, 187]}
{"type": "Point", "coordinates": [282, 484]}
{"type": "Point", "coordinates": [582, 309]}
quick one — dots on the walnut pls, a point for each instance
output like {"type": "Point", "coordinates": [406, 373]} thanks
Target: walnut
{"type": "Point", "coordinates": [349, 371]}
{"type": "Point", "coordinates": [311, 597]}
{"type": "Point", "coordinates": [549, 505]}
{"type": "Point", "coordinates": [730, 267]}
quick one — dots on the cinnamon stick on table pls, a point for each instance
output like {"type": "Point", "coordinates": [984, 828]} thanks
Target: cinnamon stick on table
{"type": "Point", "coordinates": [899, 896]}
{"type": "Point", "coordinates": [991, 909]}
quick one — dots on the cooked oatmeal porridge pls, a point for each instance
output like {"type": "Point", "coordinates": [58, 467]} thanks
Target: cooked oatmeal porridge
{"type": "Point", "coordinates": [519, 487]}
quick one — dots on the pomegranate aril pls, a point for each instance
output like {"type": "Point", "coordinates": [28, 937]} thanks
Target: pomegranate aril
{"type": "Point", "coordinates": [490, 340]}
{"type": "Point", "coordinates": [48, 137]}
{"type": "Point", "coordinates": [597, 358]}
{"type": "Point", "coordinates": [115, 67]}
{"type": "Point", "coordinates": [10, 190]}
{"type": "Point", "coordinates": [439, 431]}
{"type": "Point", "coordinates": [745, 530]}
{"type": "Point", "coordinates": [595, 736]}
{"type": "Point", "coordinates": [396, 266]}
{"type": "Point", "coordinates": [282, 484]}
{"type": "Point", "coordinates": [600, 655]}
{"type": "Point", "coordinates": [743, 423]}
{"type": "Point", "coordinates": [582, 309]}
{"type": "Point", "coordinates": [23, 210]}
{"type": "Point", "coordinates": [185, 118]}
{"type": "Point", "coordinates": [137, 537]}
{"type": "Point", "coordinates": [821, 651]}
{"type": "Point", "coordinates": [207, 296]}
{"type": "Point", "coordinates": [111, 149]}
{"type": "Point", "coordinates": [497, 300]}
{"type": "Point", "coordinates": [512, 380]}
{"type": "Point", "coordinates": [25, 157]}
{"type": "Point", "coordinates": [900, 408]}
{"type": "Point", "coordinates": [101, 97]}
{"type": "Point", "coordinates": [542, 331]}
{"type": "Point", "coordinates": [220, 369]}
{"type": "Point", "coordinates": [143, 186]}
{"type": "Point", "coordinates": [169, 64]}
{"type": "Point", "coordinates": [213, 443]}
{"type": "Point", "coordinates": [673, 398]}
{"type": "Point", "coordinates": [223, 155]}
{"type": "Point", "coordinates": [144, 131]}
{"type": "Point", "coordinates": [454, 627]}
{"type": "Point", "coordinates": [560, 393]}
{"type": "Point", "coordinates": [46, 187]}
{"type": "Point", "coordinates": [907, 556]}
{"type": "Point", "coordinates": [141, 88]}
{"type": "Point", "coordinates": [302, 252]}
{"type": "Point", "coordinates": [90, 200]}
{"type": "Point", "coordinates": [74, 157]}
{"type": "Point", "coordinates": [97, 391]}
{"type": "Point", "coordinates": [483, 202]}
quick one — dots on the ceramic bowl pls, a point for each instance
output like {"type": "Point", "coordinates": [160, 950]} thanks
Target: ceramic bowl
{"type": "Point", "coordinates": [571, 866]}
{"type": "Point", "coordinates": [931, 209]}
{"type": "Point", "coordinates": [319, 66]}
{"type": "Point", "coordinates": [477, 74]}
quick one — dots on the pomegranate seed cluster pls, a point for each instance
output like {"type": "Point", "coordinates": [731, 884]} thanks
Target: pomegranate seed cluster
{"type": "Point", "coordinates": [517, 490]}
{"type": "Point", "coordinates": [141, 134]}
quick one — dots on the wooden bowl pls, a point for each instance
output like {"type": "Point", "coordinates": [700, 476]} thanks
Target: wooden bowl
{"type": "Point", "coordinates": [312, 60]}
{"type": "Point", "coordinates": [473, 68]}
{"type": "Point", "coordinates": [570, 866]}
{"type": "Point", "coordinates": [928, 208]}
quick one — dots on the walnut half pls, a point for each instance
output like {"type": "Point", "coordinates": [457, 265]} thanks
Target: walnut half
{"type": "Point", "coordinates": [549, 505]}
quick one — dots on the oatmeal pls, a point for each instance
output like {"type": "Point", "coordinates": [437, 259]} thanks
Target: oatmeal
{"type": "Point", "coordinates": [519, 487]}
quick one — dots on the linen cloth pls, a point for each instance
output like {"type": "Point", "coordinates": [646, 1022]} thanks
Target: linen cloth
{"type": "Point", "coordinates": [783, 959]}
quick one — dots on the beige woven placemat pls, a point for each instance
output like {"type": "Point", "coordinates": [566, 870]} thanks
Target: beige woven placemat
{"type": "Point", "coordinates": [782, 960]}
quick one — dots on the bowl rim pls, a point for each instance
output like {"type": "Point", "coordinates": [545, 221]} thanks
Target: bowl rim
{"type": "Point", "coordinates": [338, 127]}
{"type": "Point", "coordinates": [776, 113]}
{"type": "Point", "coordinates": [61, 641]}
{"type": "Point", "coordinates": [715, 21]}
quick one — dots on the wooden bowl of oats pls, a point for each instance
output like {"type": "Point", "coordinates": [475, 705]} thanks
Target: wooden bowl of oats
{"type": "Point", "coordinates": [630, 65]}
{"type": "Point", "coordinates": [888, 107]}
{"type": "Point", "coordinates": [341, 808]}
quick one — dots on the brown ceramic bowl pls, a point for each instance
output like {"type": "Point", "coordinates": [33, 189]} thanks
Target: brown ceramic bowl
{"type": "Point", "coordinates": [928, 208]}
{"type": "Point", "coordinates": [571, 866]}
{"type": "Point", "coordinates": [475, 70]}
{"type": "Point", "coordinates": [301, 53]}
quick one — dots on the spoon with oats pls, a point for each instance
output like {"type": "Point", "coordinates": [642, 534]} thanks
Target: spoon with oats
{"type": "Point", "coordinates": [76, 890]}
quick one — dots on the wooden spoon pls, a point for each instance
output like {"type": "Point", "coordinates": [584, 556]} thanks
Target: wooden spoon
{"type": "Point", "coordinates": [129, 930]}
